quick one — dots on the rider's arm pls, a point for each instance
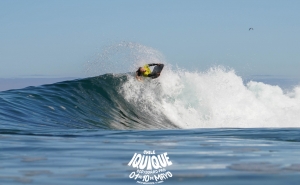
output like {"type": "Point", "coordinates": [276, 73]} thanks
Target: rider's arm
{"type": "Point", "coordinates": [137, 76]}
{"type": "Point", "coordinates": [153, 64]}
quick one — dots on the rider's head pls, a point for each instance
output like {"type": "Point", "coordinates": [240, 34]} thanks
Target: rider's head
{"type": "Point", "coordinates": [140, 71]}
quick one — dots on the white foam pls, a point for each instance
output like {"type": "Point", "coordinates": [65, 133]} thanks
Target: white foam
{"type": "Point", "coordinates": [216, 98]}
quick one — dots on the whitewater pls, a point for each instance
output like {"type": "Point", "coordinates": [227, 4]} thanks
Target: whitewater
{"type": "Point", "coordinates": [216, 98]}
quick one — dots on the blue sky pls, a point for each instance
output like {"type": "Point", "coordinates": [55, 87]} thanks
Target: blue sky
{"type": "Point", "coordinates": [55, 38]}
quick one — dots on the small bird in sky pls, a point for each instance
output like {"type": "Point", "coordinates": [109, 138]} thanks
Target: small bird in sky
{"type": "Point", "coordinates": [251, 29]}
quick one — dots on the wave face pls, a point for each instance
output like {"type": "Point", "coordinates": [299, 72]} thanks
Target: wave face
{"type": "Point", "coordinates": [217, 98]}
{"type": "Point", "coordinates": [86, 103]}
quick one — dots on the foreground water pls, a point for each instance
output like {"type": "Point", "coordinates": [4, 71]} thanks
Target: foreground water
{"type": "Point", "coordinates": [199, 156]}
{"type": "Point", "coordinates": [214, 127]}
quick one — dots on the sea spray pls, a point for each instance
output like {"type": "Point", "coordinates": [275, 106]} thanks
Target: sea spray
{"type": "Point", "coordinates": [121, 57]}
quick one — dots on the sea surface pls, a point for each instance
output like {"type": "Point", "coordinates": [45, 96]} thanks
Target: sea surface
{"type": "Point", "coordinates": [210, 127]}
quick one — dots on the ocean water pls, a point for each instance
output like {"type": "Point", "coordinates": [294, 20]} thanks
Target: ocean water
{"type": "Point", "coordinates": [211, 127]}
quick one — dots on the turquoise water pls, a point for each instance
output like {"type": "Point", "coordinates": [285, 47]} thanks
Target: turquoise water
{"type": "Point", "coordinates": [214, 127]}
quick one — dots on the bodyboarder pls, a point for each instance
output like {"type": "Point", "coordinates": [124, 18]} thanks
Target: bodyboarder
{"type": "Point", "coordinates": [145, 71]}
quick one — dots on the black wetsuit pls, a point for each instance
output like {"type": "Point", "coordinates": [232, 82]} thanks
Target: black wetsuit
{"type": "Point", "coordinates": [156, 71]}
